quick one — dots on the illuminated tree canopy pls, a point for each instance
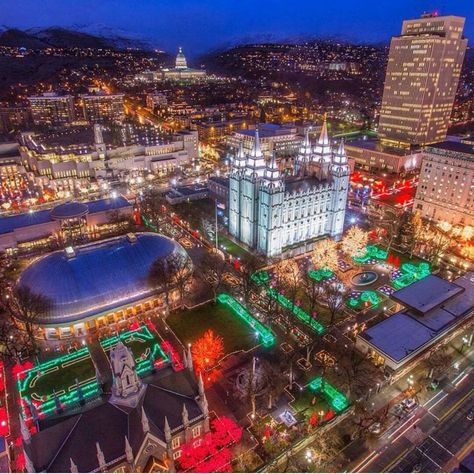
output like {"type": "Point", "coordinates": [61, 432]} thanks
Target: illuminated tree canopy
{"type": "Point", "coordinates": [207, 351]}
{"type": "Point", "coordinates": [325, 255]}
{"type": "Point", "coordinates": [354, 242]}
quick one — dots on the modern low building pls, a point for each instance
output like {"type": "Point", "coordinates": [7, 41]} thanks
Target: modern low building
{"type": "Point", "coordinates": [91, 286]}
{"type": "Point", "coordinates": [434, 311]}
{"type": "Point", "coordinates": [95, 152]}
{"type": "Point", "coordinates": [446, 189]}
{"type": "Point", "coordinates": [279, 139]}
{"type": "Point", "coordinates": [372, 155]}
{"type": "Point", "coordinates": [32, 229]}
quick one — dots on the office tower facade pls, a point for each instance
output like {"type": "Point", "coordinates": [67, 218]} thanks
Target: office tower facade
{"type": "Point", "coordinates": [101, 107]}
{"type": "Point", "coordinates": [51, 109]}
{"type": "Point", "coordinates": [421, 80]}
{"type": "Point", "coordinates": [445, 192]}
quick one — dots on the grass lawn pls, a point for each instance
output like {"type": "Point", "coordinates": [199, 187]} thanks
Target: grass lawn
{"type": "Point", "coordinates": [232, 247]}
{"type": "Point", "coordinates": [303, 404]}
{"type": "Point", "coordinates": [189, 325]}
{"type": "Point", "coordinates": [143, 343]}
{"type": "Point", "coordinates": [59, 374]}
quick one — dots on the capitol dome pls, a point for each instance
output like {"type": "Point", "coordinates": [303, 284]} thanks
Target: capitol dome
{"type": "Point", "coordinates": [97, 277]}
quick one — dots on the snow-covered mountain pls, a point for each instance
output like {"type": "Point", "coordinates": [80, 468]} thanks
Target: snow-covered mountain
{"type": "Point", "coordinates": [82, 36]}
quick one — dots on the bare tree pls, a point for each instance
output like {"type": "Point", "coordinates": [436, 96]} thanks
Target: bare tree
{"type": "Point", "coordinates": [214, 266]}
{"type": "Point", "coordinates": [333, 297]}
{"type": "Point", "coordinates": [438, 362]}
{"type": "Point", "coordinates": [354, 373]}
{"type": "Point", "coordinates": [15, 344]}
{"type": "Point", "coordinates": [180, 267]}
{"type": "Point", "coordinates": [161, 275]}
{"type": "Point", "coordinates": [249, 265]}
{"type": "Point", "coordinates": [26, 307]}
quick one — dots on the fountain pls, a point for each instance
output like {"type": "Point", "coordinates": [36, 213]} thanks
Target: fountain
{"type": "Point", "coordinates": [364, 278]}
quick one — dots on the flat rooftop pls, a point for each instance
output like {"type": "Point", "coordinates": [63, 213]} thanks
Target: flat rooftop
{"type": "Point", "coordinates": [398, 336]}
{"type": "Point", "coordinates": [457, 147]}
{"type": "Point", "coordinates": [427, 293]}
{"type": "Point", "coordinates": [375, 145]}
{"type": "Point", "coordinates": [408, 330]}
{"type": "Point", "coordinates": [27, 219]}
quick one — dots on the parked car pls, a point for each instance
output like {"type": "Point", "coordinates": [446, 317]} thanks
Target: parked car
{"type": "Point", "coordinates": [409, 404]}
{"type": "Point", "coordinates": [470, 415]}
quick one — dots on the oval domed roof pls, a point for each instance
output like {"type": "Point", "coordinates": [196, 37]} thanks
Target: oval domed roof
{"type": "Point", "coordinates": [100, 277]}
{"type": "Point", "coordinates": [69, 210]}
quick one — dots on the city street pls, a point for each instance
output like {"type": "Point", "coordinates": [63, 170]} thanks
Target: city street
{"type": "Point", "coordinates": [432, 435]}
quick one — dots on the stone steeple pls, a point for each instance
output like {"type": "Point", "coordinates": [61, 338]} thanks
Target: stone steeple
{"type": "Point", "coordinates": [272, 177]}
{"type": "Point", "coordinates": [73, 466]}
{"type": "Point", "coordinates": [240, 158]}
{"type": "Point", "coordinates": [127, 387]}
{"type": "Point", "coordinates": [304, 155]}
{"type": "Point", "coordinates": [322, 151]}
{"type": "Point", "coordinates": [167, 430]}
{"type": "Point", "coordinates": [128, 451]}
{"type": "Point", "coordinates": [29, 466]}
{"type": "Point", "coordinates": [190, 359]}
{"type": "Point", "coordinates": [145, 423]}
{"type": "Point", "coordinates": [100, 456]}
{"type": "Point", "coordinates": [255, 165]}
{"type": "Point", "coordinates": [25, 432]}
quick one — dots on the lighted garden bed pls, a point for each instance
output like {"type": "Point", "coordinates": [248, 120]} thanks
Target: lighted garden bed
{"type": "Point", "coordinates": [359, 301]}
{"type": "Point", "coordinates": [337, 400]}
{"type": "Point", "coordinates": [145, 346]}
{"type": "Point", "coordinates": [38, 385]}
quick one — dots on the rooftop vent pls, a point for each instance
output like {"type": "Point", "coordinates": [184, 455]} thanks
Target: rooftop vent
{"type": "Point", "coordinates": [132, 238]}
{"type": "Point", "coordinates": [70, 252]}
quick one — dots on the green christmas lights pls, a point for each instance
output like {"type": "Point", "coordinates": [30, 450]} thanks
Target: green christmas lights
{"type": "Point", "coordinates": [337, 400]}
{"type": "Point", "coordinates": [146, 360]}
{"type": "Point", "coordinates": [297, 311]}
{"type": "Point", "coordinates": [371, 252]}
{"type": "Point", "coordinates": [60, 368]}
{"type": "Point", "coordinates": [265, 334]}
{"type": "Point", "coordinates": [321, 274]}
{"type": "Point", "coordinates": [410, 274]}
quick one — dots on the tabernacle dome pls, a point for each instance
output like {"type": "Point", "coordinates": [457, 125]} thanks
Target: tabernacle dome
{"type": "Point", "coordinates": [92, 279]}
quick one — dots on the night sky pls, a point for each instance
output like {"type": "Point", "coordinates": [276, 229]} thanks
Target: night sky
{"type": "Point", "coordinates": [199, 25]}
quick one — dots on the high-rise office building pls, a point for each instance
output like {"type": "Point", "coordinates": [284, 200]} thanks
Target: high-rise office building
{"type": "Point", "coordinates": [421, 80]}
{"type": "Point", "coordinates": [101, 107]}
{"type": "Point", "coordinates": [51, 109]}
{"type": "Point", "coordinates": [446, 188]}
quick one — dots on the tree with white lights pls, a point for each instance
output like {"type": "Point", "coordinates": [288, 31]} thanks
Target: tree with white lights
{"type": "Point", "coordinates": [324, 255]}
{"type": "Point", "coordinates": [354, 242]}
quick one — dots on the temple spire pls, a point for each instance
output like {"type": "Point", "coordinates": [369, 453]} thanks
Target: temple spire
{"type": "Point", "coordinates": [128, 451]}
{"type": "Point", "coordinates": [200, 385]}
{"type": "Point", "coordinates": [272, 173]}
{"type": "Point", "coordinates": [100, 455]}
{"type": "Point", "coordinates": [185, 415]}
{"type": "Point", "coordinates": [145, 423]}
{"type": "Point", "coordinates": [167, 430]}
{"type": "Point", "coordinates": [255, 164]}
{"type": "Point", "coordinates": [25, 432]}
{"type": "Point", "coordinates": [73, 466]}
{"type": "Point", "coordinates": [29, 466]}
{"type": "Point", "coordinates": [190, 358]}
{"type": "Point", "coordinates": [323, 137]}
{"type": "Point", "coordinates": [185, 359]}
{"type": "Point", "coordinates": [340, 156]}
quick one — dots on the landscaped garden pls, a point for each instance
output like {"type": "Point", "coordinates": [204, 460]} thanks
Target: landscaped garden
{"type": "Point", "coordinates": [190, 325]}
{"type": "Point", "coordinates": [57, 383]}
{"type": "Point", "coordinates": [144, 344]}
